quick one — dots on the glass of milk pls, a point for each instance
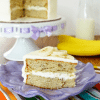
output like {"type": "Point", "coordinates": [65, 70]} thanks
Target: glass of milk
{"type": "Point", "coordinates": [85, 24]}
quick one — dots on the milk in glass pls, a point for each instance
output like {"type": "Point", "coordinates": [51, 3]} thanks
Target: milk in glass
{"type": "Point", "coordinates": [85, 28]}
{"type": "Point", "coordinates": [85, 24]}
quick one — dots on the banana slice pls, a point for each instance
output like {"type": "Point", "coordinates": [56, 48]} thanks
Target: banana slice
{"type": "Point", "coordinates": [69, 57]}
{"type": "Point", "coordinates": [46, 51]}
{"type": "Point", "coordinates": [50, 51]}
{"type": "Point", "coordinates": [64, 52]}
{"type": "Point", "coordinates": [59, 53]}
{"type": "Point", "coordinates": [55, 49]}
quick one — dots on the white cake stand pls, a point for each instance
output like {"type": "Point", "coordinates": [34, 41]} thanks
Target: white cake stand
{"type": "Point", "coordinates": [22, 30]}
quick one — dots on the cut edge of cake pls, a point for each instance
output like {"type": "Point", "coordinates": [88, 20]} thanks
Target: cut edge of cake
{"type": "Point", "coordinates": [14, 10]}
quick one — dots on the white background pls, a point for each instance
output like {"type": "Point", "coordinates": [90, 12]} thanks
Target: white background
{"type": "Point", "coordinates": [69, 9]}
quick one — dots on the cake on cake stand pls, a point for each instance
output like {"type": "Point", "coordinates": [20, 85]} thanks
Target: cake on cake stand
{"type": "Point", "coordinates": [27, 29]}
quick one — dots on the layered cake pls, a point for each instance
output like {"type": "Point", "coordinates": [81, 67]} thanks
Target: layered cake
{"type": "Point", "coordinates": [13, 9]}
{"type": "Point", "coordinates": [49, 68]}
{"type": "Point", "coordinates": [46, 9]}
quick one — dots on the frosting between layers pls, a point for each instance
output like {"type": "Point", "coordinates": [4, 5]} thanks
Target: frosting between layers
{"type": "Point", "coordinates": [16, 8]}
{"type": "Point", "coordinates": [36, 8]}
{"type": "Point", "coordinates": [49, 58]}
{"type": "Point", "coordinates": [64, 76]}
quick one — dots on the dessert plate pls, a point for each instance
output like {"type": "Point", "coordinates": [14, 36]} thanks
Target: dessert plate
{"type": "Point", "coordinates": [10, 77]}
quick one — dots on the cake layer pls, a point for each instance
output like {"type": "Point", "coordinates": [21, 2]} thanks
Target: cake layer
{"type": "Point", "coordinates": [16, 3]}
{"type": "Point", "coordinates": [36, 13]}
{"type": "Point", "coordinates": [49, 65]}
{"type": "Point", "coordinates": [49, 83]}
{"type": "Point", "coordinates": [18, 13]}
{"type": "Point", "coordinates": [41, 3]}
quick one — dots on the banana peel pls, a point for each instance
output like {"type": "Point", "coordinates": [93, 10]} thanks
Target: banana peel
{"type": "Point", "coordinates": [79, 47]}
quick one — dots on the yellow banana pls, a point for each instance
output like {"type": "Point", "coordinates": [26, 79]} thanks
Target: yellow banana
{"type": "Point", "coordinates": [80, 47]}
{"type": "Point", "coordinates": [66, 38]}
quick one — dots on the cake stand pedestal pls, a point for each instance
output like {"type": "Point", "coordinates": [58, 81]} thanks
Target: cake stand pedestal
{"type": "Point", "coordinates": [21, 47]}
{"type": "Point", "coordinates": [24, 30]}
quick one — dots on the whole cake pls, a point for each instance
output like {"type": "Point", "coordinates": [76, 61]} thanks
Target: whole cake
{"type": "Point", "coordinates": [49, 68]}
{"type": "Point", "coordinates": [13, 9]}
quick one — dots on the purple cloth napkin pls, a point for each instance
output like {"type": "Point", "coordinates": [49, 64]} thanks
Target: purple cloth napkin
{"type": "Point", "coordinates": [10, 77]}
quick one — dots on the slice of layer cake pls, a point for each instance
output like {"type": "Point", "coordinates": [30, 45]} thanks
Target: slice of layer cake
{"type": "Point", "coordinates": [14, 9]}
{"type": "Point", "coordinates": [49, 68]}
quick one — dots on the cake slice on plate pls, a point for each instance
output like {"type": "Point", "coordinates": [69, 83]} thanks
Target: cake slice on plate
{"type": "Point", "coordinates": [49, 68]}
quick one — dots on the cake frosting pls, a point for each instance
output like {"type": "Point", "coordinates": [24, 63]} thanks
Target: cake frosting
{"type": "Point", "coordinates": [36, 8]}
{"type": "Point", "coordinates": [5, 12]}
{"type": "Point", "coordinates": [52, 9]}
{"type": "Point", "coordinates": [15, 8]}
{"type": "Point", "coordinates": [51, 53]}
{"type": "Point", "coordinates": [63, 76]}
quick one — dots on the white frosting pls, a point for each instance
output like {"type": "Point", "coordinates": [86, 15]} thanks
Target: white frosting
{"type": "Point", "coordinates": [5, 12]}
{"type": "Point", "coordinates": [36, 8]}
{"type": "Point", "coordinates": [64, 76]}
{"type": "Point", "coordinates": [49, 58]}
{"type": "Point", "coordinates": [15, 8]}
{"type": "Point", "coordinates": [52, 9]}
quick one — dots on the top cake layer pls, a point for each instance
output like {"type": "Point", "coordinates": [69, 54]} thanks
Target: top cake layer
{"type": "Point", "coordinates": [49, 59]}
{"type": "Point", "coordinates": [41, 3]}
{"type": "Point", "coordinates": [51, 53]}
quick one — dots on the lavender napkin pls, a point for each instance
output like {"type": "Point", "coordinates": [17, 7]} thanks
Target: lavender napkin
{"type": "Point", "coordinates": [10, 77]}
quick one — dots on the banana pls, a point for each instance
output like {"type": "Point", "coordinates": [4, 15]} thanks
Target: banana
{"type": "Point", "coordinates": [69, 57]}
{"type": "Point", "coordinates": [66, 38]}
{"type": "Point", "coordinates": [52, 52]}
{"type": "Point", "coordinates": [46, 51]}
{"type": "Point", "coordinates": [59, 53]}
{"type": "Point", "coordinates": [80, 47]}
{"type": "Point", "coordinates": [55, 49]}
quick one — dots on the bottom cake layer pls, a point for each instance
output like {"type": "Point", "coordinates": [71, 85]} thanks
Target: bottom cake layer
{"type": "Point", "coordinates": [49, 83]}
{"type": "Point", "coordinates": [17, 14]}
{"type": "Point", "coordinates": [36, 14]}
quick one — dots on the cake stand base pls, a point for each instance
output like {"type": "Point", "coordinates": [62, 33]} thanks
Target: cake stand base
{"type": "Point", "coordinates": [22, 46]}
